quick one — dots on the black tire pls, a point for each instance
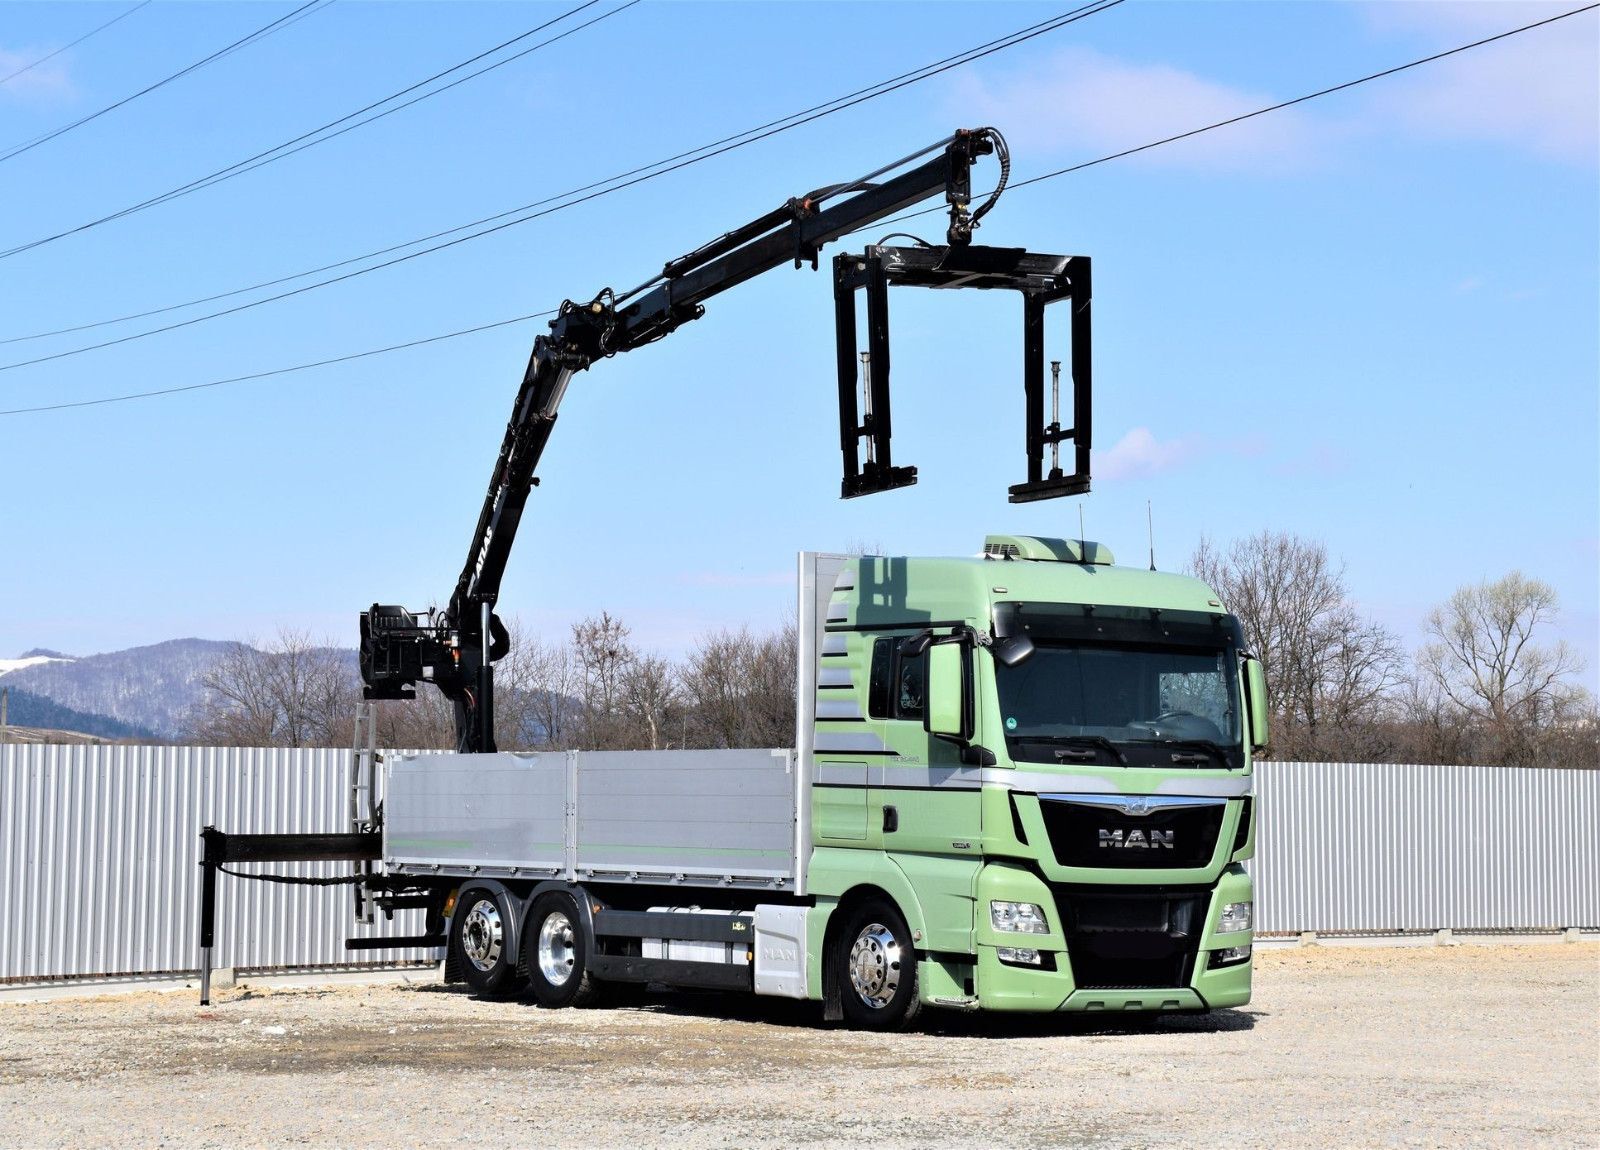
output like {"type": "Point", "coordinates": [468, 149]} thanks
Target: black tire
{"type": "Point", "coordinates": [557, 953]}
{"type": "Point", "coordinates": [876, 965]}
{"type": "Point", "coordinates": [481, 938]}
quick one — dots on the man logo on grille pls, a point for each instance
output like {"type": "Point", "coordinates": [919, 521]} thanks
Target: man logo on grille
{"type": "Point", "coordinates": [1136, 839]}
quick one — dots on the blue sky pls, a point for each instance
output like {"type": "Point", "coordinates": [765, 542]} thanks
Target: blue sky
{"type": "Point", "coordinates": [1370, 320]}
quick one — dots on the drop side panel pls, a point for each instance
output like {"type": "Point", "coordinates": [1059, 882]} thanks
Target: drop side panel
{"type": "Point", "coordinates": [505, 809]}
{"type": "Point", "coordinates": [681, 815]}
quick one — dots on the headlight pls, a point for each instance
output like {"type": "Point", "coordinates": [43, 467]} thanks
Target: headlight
{"type": "Point", "coordinates": [1018, 917]}
{"type": "Point", "coordinates": [1230, 955]}
{"type": "Point", "coordinates": [1235, 916]}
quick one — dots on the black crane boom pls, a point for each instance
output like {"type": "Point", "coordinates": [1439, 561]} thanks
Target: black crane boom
{"type": "Point", "coordinates": [455, 648]}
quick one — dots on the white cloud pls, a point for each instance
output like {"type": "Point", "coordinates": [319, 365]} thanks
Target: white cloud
{"type": "Point", "coordinates": [1140, 453]}
{"type": "Point", "coordinates": [1451, 21]}
{"type": "Point", "coordinates": [1080, 101]}
{"type": "Point", "coordinates": [1536, 90]}
{"type": "Point", "coordinates": [49, 80]}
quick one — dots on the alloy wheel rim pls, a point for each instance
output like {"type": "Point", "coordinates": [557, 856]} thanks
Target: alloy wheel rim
{"type": "Point", "coordinates": [557, 952]}
{"type": "Point", "coordinates": [483, 935]}
{"type": "Point", "coordinates": [874, 965]}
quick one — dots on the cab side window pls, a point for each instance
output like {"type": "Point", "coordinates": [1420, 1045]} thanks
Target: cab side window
{"type": "Point", "coordinates": [896, 687]}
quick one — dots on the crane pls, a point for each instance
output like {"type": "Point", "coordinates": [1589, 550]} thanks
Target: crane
{"type": "Point", "coordinates": [455, 647]}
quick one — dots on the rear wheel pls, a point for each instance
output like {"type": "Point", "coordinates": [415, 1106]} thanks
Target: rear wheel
{"type": "Point", "coordinates": [877, 968]}
{"type": "Point", "coordinates": [558, 953]}
{"type": "Point", "coordinates": [480, 937]}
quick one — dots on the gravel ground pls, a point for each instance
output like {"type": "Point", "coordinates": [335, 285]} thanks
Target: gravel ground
{"type": "Point", "coordinates": [1460, 1046]}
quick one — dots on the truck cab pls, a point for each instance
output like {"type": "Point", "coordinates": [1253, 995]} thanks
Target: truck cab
{"type": "Point", "coordinates": [1041, 763]}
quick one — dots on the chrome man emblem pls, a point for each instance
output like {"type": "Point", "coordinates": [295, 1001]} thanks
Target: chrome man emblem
{"type": "Point", "coordinates": [1138, 805]}
{"type": "Point", "coordinates": [1136, 839]}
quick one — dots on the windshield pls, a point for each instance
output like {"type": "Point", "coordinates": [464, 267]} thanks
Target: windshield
{"type": "Point", "coordinates": [1122, 694]}
{"type": "Point", "coordinates": [1133, 686]}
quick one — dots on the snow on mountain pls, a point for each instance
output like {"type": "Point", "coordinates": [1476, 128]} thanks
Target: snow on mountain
{"type": "Point", "coordinates": [31, 659]}
{"type": "Point", "coordinates": [154, 687]}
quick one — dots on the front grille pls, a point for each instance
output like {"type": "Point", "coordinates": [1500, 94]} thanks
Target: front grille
{"type": "Point", "coordinates": [1088, 831]}
{"type": "Point", "coordinates": [1136, 938]}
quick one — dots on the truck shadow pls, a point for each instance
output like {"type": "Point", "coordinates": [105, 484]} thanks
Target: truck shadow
{"type": "Point", "coordinates": [949, 1023]}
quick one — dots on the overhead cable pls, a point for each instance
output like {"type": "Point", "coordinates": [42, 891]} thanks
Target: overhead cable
{"type": "Point", "coordinates": [568, 199]}
{"type": "Point", "coordinates": [259, 34]}
{"type": "Point", "coordinates": [1192, 132]}
{"type": "Point", "coordinates": [283, 370]}
{"type": "Point", "coordinates": [91, 32]}
{"type": "Point", "coordinates": [1034, 180]}
{"type": "Point", "coordinates": [960, 57]}
{"type": "Point", "coordinates": [317, 136]}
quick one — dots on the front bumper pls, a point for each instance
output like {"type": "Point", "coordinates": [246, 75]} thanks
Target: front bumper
{"type": "Point", "coordinates": [1051, 985]}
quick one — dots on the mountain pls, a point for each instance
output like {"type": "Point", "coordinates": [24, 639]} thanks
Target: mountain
{"type": "Point", "coordinates": [25, 709]}
{"type": "Point", "coordinates": [151, 689]}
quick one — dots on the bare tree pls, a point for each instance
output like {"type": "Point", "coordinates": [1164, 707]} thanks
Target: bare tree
{"type": "Point", "coordinates": [293, 692]}
{"type": "Point", "coordinates": [649, 696]}
{"type": "Point", "coordinates": [238, 709]}
{"type": "Point", "coordinates": [533, 686]}
{"type": "Point", "coordinates": [740, 689]}
{"type": "Point", "coordinates": [426, 723]}
{"type": "Point", "coordinates": [553, 687]}
{"type": "Point", "coordinates": [1330, 673]}
{"type": "Point", "coordinates": [602, 653]}
{"type": "Point", "coordinates": [1485, 663]}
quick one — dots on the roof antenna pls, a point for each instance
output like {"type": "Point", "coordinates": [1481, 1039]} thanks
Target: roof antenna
{"type": "Point", "coordinates": [1083, 544]}
{"type": "Point", "coordinates": [1150, 526]}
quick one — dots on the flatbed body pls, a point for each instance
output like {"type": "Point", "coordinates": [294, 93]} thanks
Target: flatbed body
{"type": "Point", "coordinates": [712, 818]}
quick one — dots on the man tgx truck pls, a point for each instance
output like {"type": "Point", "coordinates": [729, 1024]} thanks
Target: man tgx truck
{"type": "Point", "coordinates": [1022, 783]}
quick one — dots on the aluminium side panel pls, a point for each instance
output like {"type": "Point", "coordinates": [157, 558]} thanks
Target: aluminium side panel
{"type": "Point", "coordinates": [717, 817]}
{"type": "Point", "coordinates": [500, 810]}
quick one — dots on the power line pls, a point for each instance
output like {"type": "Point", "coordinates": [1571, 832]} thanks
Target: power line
{"type": "Point", "coordinates": [1263, 111]}
{"type": "Point", "coordinates": [881, 223]}
{"type": "Point", "coordinates": [588, 192]}
{"type": "Point", "coordinates": [312, 138]}
{"type": "Point", "coordinates": [1302, 99]}
{"type": "Point", "coordinates": [1005, 41]}
{"type": "Point", "coordinates": [259, 34]}
{"type": "Point", "coordinates": [75, 43]}
{"type": "Point", "coordinates": [282, 370]}
{"type": "Point", "coordinates": [305, 140]}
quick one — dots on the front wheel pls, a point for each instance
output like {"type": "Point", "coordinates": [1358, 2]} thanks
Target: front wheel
{"type": "Point", "coordinates": [877, 968]}
{"type": "Point", "coordinates": [558, 953]}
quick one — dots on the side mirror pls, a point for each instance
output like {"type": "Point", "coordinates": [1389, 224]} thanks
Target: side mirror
{"type": "Point", "coordinates": [1016, 649]}
{"type": "Point", "coordinates": [913, 645]}
{"type": "Point", "coordinates": [948, 710]}
{"type": "Point", "coordinates": [1255, 685]}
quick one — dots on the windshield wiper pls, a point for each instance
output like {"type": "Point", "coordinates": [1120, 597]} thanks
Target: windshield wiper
{"type": "Point", "coordinates": [1073, 741]}
{"type": "Point", "coordinates": [1205, 746]}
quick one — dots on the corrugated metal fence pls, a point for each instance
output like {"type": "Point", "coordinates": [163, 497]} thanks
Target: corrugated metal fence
{"type": "Point", "coordinates": [100, 851]}
{"type": "Point", "coordinates": [1387, 847]}
{"type": "Point", "coordinates": [100, 860]}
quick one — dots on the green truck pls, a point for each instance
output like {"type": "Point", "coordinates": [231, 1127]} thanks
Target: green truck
{"type": "Point", "coordinates": [1022, 783]}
